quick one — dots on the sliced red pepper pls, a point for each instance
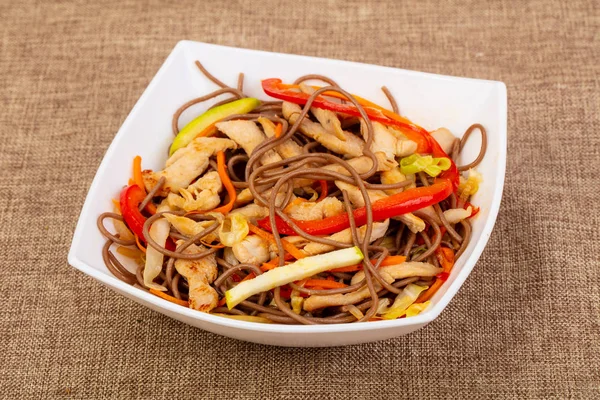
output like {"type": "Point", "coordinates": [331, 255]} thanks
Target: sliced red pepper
{"type": "Point", "coordinates": [425, 142]}
{"type": "Point", "coordinates": [129, 201]}
{"type": "Point", "coordinates": [275, 88]}
{"type": "Point", "coordinates": [324, 190]}
{"type": "Point", "coordinates": [443, 276]}
{"type": "Point", "coordinates": [400, 203]}
{"type": "Point", "coordinates": [170, 244]}
{"type": "Point", "coordinates": [397, 204]}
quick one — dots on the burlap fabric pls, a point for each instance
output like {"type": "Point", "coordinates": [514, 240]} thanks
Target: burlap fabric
{"type": "Point", "coordinates": [526, 324]}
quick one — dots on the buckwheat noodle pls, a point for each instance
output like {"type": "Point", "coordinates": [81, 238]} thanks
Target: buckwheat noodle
{"type": "Point", "coordinates": [265, 182]}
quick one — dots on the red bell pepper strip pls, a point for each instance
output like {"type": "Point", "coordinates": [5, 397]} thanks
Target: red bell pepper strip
{"type": "Point", "coordinates": [275, 88]}
{"type": "Point", "coordinates": [397, 204]}
{"type": "Point", "coordinates": [324, 190]}
{"type": "Point", "coordinates": [400, 203]}
{"type": "Point", "coordinates": [129, 201]}
{"type": "Point", "coordinates": [425, 142]}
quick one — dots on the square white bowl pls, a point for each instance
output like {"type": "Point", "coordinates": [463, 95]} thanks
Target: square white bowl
{"type": "Point", "coordinates": [430, 100]}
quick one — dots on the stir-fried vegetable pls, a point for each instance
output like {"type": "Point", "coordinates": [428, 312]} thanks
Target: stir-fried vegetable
{"type": "Point", "coordinates": [130, 200]}
{"type": "Point", "coordinates": [274, 88]}
{"type": "Point", "coordinates": [408, 296]}
{"type": "Point", "coordinates": [212, 243]}
{"type": "Point", "coordinates": [430, 165]}
{"type": "Point", "coordinates": [446, 258]}
{"type": "Point", "coordinates": [392, 206]}
{"type": "Point", "coordinates": [222, 168]}
{"type": "Point", "coordinates": [289, 247]}
{"type": "Point", "coordinates": [416, 309]}
{"type": "Point", "coordinates": [301, 269]}
{"type": "Point", "coordinates": [165, 296]}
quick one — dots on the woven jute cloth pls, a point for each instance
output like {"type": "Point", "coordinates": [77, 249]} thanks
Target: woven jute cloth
{"type": "Point", "coordinates": [526, 324]}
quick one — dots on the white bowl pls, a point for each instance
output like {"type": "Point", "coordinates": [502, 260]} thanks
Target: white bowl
{"type": "Point", "coordinates": [430, 100]}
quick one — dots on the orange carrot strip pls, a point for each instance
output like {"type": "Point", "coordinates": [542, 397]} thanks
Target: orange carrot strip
{"type": "Point", "coordinates": [169, 298]}
{"type": "Point", "coordinates": [274, 263]}
{"type": "Point", "coordinates": [390, 260]}
{"type": "Point", "coordinates": [289, 247]}
{"type": "Point", "coordinates": [130, 182]}
{"type": "Point", "coordinates": [446, 258]}
{"type": "Point", "coordinates": [151, 208]}
{"type": "Point", "coordinates": [251, 275]}
{"type": "Point", "coordinates": [137, 172]}
{"type": "Point", "coordinates": [139, 180]}
{"type": "Point", "coordinates": [428, 294]}
{"type": "Point", "coordinates": [270, 265]}
{"type": "Point", "coordinates": [208, 131]}
{"type": "Point", "coordinates": [139, 245]}
{"type": "Point", "coordinates": [278, 130]}
{"type": "Point", "coordinates": [222, 302]}
{"type": "Point", "coordinates": [350, 268]}
{"type": "Point", "coordinates": [222, 169]}
{"type": "Point", "coordinates": [301, 283]}
{"type": "Point", "coordinates": [324, 283]}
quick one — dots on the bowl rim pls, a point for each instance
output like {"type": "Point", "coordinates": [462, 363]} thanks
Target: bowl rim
{"type": "Point", "coordinates": [167, 307]}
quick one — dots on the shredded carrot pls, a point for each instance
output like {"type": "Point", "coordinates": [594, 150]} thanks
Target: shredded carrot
{"type": "Point", "coordinates": [350, 268]}
{"type": "Point", "coordinates": [269, 265]}
{"type": "Point", "coordinates": [139, 181]}
{"type": "Point", "coordinates": [251, 275]}
{"type": "Point", "coordinates": [169, 298]}
{"type": "Point", "coordinates": [139, 245]}
{"type": "Point", "coordinates": [222, 169]}
{"type": "Point", "coordinates": [323, 283]}
{"type": "Point", "coordinates": [324, 190]}
{"type": "Point", "coordinates": [222, 302]}
{"type": "Point", "coordinates": [301, 283]}
{"type": "Point", "coordinates": [390, 260]}
{"type": "Point", "coordinates": [137, 173]}
{"type": "Point", "coordinates": [278, 130]}
{"type": "Point", "coordinates": [289, 247]}
{"type": "Point", "coordinates": [151, 208]}
{"type": "Point", "coordinates": [208, 131]}
{"type": "Point", "coordinates": [446, 258]}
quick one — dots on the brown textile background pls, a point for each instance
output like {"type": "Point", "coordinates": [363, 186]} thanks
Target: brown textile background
{"type": "Point", "coordinates": [525, 325]}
